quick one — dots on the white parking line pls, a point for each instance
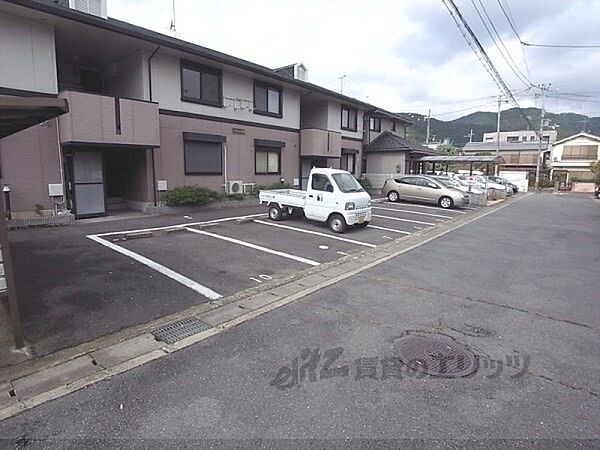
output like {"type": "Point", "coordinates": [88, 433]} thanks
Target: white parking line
{"type": "Point", "coordinates": [412, 212]}
{"type": "Point", "coordinates": [302, 230]}
{"type": "Point", "coordinates": [388, 229]}
{"type": "Point", "coordinates": [182, 225]}
{"type": "Point", "coordinates": [423, 206]}
{"type": "Point", "coordinates": [199, 288]}
{"type": "Point", "coordinates": [401, 220]}
{"type": "Point", "coordinates": [255, 247]}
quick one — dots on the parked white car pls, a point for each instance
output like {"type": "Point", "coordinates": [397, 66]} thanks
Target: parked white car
{"type": "Point", "coordinates": [492, 185]}
{"type": "Point", "coordinates": [458, 184]}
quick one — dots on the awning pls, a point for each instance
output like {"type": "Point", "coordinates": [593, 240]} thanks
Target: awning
{"type": "Point", "coordinates": [20, 113]}
{"type": "Point", "coordinates": [17, 114]}
{"type": "Point", "coordinates": [463, 159]}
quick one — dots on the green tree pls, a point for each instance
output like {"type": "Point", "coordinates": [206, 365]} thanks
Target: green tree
{"type": "Point", "coordinates": [447, 149]}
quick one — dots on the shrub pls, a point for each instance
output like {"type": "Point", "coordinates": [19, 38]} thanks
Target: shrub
{"type": "Point", "coordinates": [584, 179]}
{"type": "Point", "coordinates": [236, 197]}
{"type": "Point", "coordinates": [276, 185]}
{"type": "Point", "coordinates": [191, 195]}
{"type": "Point", "coordinates": [365, 183]}
{"type": "Point", "coordinates": [494, 194]}
{"type": "Point", "coordinates": [543, 183]}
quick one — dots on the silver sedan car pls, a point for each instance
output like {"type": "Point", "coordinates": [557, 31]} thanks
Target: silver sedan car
{"type": "Point", "coordinates": [420, 188]}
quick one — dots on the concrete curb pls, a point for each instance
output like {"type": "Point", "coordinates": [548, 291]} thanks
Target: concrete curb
{"type": "Point", "coordinates": [67, 371]}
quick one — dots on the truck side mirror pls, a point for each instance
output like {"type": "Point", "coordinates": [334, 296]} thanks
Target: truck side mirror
{"type": "Point", "coordinates": [328, 188]}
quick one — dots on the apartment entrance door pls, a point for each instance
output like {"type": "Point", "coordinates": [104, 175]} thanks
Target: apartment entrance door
{"type": "Point", "coordinates": [85, 171]}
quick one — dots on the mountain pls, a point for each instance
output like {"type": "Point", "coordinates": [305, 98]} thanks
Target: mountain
{"type": "Point", "coordinates": [457, 130]}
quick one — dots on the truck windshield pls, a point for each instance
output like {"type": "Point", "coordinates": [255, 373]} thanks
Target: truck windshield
{"type": "Point", "coordinates": [347, 183]}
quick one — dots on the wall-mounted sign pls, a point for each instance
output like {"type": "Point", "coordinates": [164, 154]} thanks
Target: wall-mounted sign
{"type": "Point", "coordinates": [238, 131]}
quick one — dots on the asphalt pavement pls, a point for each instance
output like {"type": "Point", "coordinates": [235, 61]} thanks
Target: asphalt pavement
{"type": "Point", "coordinates": [73, 289]}
{"type": "Point", "coordinates": [518, 287]}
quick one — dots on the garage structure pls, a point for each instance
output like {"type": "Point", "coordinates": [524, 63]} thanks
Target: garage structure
{"type": "Point", "coordinates": [17, 114]}
{"type": "Point", "coordinates": [445, 160]}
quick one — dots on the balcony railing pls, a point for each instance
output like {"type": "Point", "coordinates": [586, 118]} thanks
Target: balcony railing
{"type": "Point", "coordinates": [317, 142]}
{"type": "Point", "coordinates": [101, 119]}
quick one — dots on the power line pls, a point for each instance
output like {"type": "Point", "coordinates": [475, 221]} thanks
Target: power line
{"type": "Point", "coordinates": [483, 57]}
{"type": "Point", "coordinates": [511, 64]}
{"type": "Point", "coordinates": [529, 44]}
{"type": "Point", "coordinates": [580, 100]}
{"type": "Point", "coordinates": [513, 25]}
{"type": "Point", "coordinates": [510, 22]}
{"type": "Point", "coordinates": [465, 109]}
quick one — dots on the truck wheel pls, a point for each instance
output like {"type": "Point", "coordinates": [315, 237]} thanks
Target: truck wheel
{"type": "Point", "coordinates": [337, 223]}
{"type": "Point", "coordinates": [275, 213]}
{"type": "Point", "coordinates": [446, 202]}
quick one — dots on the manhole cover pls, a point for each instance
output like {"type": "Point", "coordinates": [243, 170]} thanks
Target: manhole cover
{"type": "Point", "coordinates": [180, 330]}
{"type": "Point", "coordinates": [436, 356]}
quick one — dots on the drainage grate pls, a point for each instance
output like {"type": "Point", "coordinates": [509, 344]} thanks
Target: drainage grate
{"type": "Point", "coordinates": [180, 330]}
{"type": "Point", "coordinates": [436, 356]}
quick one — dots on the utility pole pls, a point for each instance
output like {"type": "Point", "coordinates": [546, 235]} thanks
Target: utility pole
{"type": "Point", "coordinates": [428, 126]}
{"type": "Point", "coordinates": [584, 122]}
{"type": "Point", "coordinates": [498, 135]}
{"type": "Point", "coordinates": [470, 135]}
{"type": "Point", "coordinates": [544, 88]}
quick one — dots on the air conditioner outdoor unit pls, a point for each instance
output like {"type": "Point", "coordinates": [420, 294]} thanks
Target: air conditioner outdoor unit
{"type": "Point", "coordinates": [234, 187]}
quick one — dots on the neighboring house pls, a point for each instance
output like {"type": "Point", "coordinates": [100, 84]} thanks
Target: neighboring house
{"type": "Point", "coordinates": [149, 112]}
{"type": "Point", "coordinates": [519, 156]}
{"type": "Point", "coordinates": [571, 156]}
{"type": "Point", "coordinates": [520, 136]}
{"type": "Point", "coordinates": [390, 154]}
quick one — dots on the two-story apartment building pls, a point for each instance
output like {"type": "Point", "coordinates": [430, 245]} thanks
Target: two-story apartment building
{"type": "Point", "coordinates": [149, 112]}
{"type": "Point", "coordinates": [571, 157]}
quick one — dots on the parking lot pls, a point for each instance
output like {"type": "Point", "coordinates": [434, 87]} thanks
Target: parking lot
{"type": "Point", "coordinates": [216, 258]}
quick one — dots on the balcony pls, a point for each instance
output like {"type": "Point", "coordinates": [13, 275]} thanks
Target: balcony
{"type": "Point", "coordinates": [110, 121]}
{"type": "Point", "coordinates": [316, 142]}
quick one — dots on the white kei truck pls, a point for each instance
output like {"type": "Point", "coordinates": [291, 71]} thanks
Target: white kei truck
{"type": "Point", "coordinates": [332, 196]}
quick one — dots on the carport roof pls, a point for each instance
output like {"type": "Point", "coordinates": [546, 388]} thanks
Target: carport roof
{"type": "Point", "coordinates": [463, 159]}
{"type": "Point", "coordinates": [20, 113]}
{"type": "Point", "coordinates": [391, 142]}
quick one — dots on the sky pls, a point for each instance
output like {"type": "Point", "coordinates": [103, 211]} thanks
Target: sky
{"type": "Point", "coordinates": [401, 55]}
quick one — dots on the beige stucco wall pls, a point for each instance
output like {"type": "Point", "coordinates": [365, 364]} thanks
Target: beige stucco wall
{"type": "Point", "coordinates": [29, 161]}
{"type": "Point", "coordinates": [27, 55]}
{"type": "Point", "coordinates": [166, 87]}
{"type": "Point", "coordinates": [240, 152]}
{"type": "Point", "coordinates": [91, 119]}
{"type": "Point", "coordinates": [315, 142]}
{"type": "Point", "coordinates": [385, 163]}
